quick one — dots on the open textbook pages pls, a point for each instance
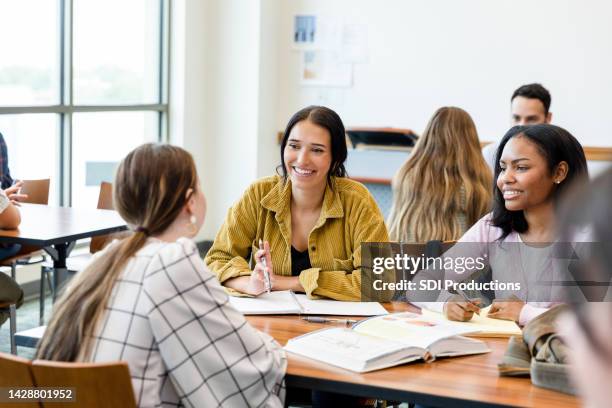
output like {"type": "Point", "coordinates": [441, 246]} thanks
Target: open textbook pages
{"type": "Point", "coordinates": [287, 302]}
{"type": "Point", "coordinates": [385, 341]}
{"type": "Point", "coordinates": [482, 326]}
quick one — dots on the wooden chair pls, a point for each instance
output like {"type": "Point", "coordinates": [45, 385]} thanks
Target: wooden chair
{"type": "Point", "coordinates": [95, 384]}
{"type": "Point", "coordinates": [37, 191]}
{"type": "Point", "coordinates": [17, 373]}
{"type": "Point", "coordinates": [11, 307]}
{"type": "Point", "coordinates": [105, 202]}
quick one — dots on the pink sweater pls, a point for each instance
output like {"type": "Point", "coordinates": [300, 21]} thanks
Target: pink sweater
{"type": "Point", "coordinates": [477, 242]}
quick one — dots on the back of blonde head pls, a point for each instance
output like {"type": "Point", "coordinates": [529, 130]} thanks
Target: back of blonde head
{"type": "Point", "coordinates": [150, 190]}
{"type": "Point", "coordinates": [445, 165]}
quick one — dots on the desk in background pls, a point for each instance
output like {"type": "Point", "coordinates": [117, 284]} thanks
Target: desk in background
{"type": "Point", "coordinates": [56, 229]}
{"type": "Point", "coordinates": [469, 381]}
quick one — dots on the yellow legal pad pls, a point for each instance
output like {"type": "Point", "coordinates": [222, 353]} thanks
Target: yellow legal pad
{"type": "Point", "coordinates": [483, 326]}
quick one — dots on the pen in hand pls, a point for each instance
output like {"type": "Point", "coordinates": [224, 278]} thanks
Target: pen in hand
{"type": "Point", "coordinates": [317, 319]}
{"type": "Point", "coordinates": [265, 265]}
{"type": "Point", "coordinates": [464, 295]}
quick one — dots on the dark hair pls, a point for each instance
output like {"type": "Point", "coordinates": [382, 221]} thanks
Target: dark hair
{"type": "Point", "coordinates": [328, 119]}
{"type": "Point", "coordinates": [534, 91]}
{"type": "Point", "coordinates": [555, 144]}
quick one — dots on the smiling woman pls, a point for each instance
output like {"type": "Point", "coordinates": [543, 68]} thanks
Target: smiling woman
{"type": "Point", "coordinates": [534, 167]}
{"type": "Point", "coordinates": [312, 219]}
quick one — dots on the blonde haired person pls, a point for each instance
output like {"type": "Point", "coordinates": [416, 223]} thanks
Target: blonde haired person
{"type": "Point", "coordinates": [150, 300]}
{"type": "Point", "coordinates": [445, 185]}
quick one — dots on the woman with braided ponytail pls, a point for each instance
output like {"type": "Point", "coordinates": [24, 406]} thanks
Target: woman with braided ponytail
{"type": "Point", "coordinates": [150, 300]}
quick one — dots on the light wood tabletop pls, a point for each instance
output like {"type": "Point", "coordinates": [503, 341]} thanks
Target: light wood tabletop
{"type": "Point", "coordinates": [469, 381]}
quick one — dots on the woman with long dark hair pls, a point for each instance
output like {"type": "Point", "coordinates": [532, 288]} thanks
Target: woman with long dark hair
{"type": "Point", "coordinates": [311, 218]}
{"type": "Point", "coordinates": [534, 167]}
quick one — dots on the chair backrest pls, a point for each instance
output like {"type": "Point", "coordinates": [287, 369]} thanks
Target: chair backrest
{"type": "Point", "coordinates": [95, 384]}
{"type": "Point", "coordinates": [105, 202]}
{"type": "Point", "coordinates": [105, 199]}
{"type": "Point", "coordinates": [16, 372]}
{"type": "Point", "coordinates": [37, 191]}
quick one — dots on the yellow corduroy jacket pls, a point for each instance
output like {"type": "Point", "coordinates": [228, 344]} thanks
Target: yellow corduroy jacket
{"type": "Point", "coordinates": [349, 216]}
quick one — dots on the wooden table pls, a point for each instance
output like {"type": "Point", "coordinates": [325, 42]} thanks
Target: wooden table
{"type": "Point", "coordinates": [56, 230]}
{"type": "Point", "coordinates": [470, 381]}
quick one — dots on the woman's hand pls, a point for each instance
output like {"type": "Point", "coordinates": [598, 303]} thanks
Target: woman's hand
{"type": "Point", "coordinates": [458, 309]}
{"type": "Point", "coordinates": [257, 282]}
{"type": "Point", "coordinates": [506, 309]}
{"type": "Point", "coordinates": [13, 193]}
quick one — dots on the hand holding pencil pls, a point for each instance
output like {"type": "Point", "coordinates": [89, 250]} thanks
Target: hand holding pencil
{"type": "Point", "coordinates": [262, 278]}
{"type": "Point", "coordinates": [460, 308]}
{"type": "Point", "coordinates": [266, 271]}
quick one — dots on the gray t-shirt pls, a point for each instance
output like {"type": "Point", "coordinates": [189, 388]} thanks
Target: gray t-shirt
{"type": "Point", "coordinates": [488, 152]}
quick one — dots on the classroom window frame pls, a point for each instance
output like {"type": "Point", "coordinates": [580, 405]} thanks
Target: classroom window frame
{"type": "Point", "coordinates": [66, 107]}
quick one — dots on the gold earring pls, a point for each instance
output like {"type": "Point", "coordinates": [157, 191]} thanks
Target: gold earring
{"type": "Point", "coordinates": [192, 225]}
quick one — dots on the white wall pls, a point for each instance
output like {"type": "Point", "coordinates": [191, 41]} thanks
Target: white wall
{"type": "Point", "coordinates": [468, 53]}
{"type": "Point", "coordinates": [234, 78]}
{"type": "Point", "coordinates": [223, 95]}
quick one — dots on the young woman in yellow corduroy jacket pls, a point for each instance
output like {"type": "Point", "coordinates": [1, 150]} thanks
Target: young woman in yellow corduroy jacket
{"type": "Point", "coordinates": [312, 218]}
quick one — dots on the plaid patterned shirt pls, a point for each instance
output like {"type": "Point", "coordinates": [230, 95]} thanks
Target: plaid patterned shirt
{"type": "Point", "coordinates": [170, 319]}
{"type": "Point", "coordinates": [5, 174]}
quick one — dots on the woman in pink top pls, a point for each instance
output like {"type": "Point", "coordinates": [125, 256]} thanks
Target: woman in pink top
{"type": "Point", "coordinates": [534, 167]}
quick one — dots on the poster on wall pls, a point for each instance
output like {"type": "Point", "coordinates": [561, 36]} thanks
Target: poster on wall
{"type": "Point", "coordinates": [317, 32]}
{"type": "Point", "coordinates": [329, 47]}
{"type": "Point", "coordinates": [304, 31]}
{"type": "Point", "coordinates": [325, 68]}
{"type": "Point", "coordinates": [355, 43]}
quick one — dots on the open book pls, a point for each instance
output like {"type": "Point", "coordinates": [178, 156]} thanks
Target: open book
{"type": "Point", "coordinates": [385, 341]}
{"type": "Point", "coordinates": [287, 302]}
{"type": "Point", "coordinates": [481, 325]}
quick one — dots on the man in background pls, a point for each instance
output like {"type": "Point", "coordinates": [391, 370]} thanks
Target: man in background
{"type": "Point", "coordinates": [530, 105]}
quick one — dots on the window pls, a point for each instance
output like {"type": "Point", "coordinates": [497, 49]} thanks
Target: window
{"type": "Point", "coordinates": [29, 68]}
{"type": "Point", "coordinates": [85, 84]}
